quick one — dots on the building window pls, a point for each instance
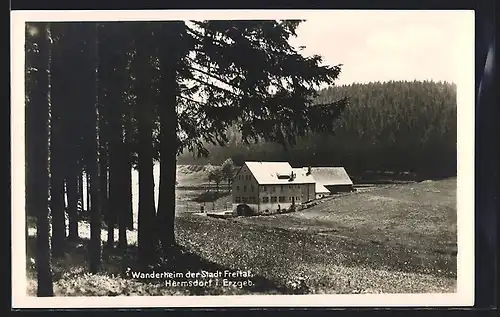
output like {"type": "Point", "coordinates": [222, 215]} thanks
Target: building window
{"type": "Point", "coordinates": [237, 188]}
{"type": "Point", "coordinates": [265, 199]}
{"type": "Point", "coordinates": [290, 198]}
{"type": "Point", "coordinates": [264, 188]}
{"type": "Point", "coordinates": [273, 189]}
{"type": "Point", "coordinates": [251, 187]}
{"type": "Point", "coordinates": [282, 188]}
{"type": "Point", "coordinates": [247, 177]}
{"type": "Point", "coordinates": [282, 199]}
{"type": "Point", "coordinates": [245, 188]}
{"type": "Point", "coordinates": [244, 200]}
{"type": "Point", "coordinates": [237, 200]}
{"type": "Point", "coordinates": [274, 199]}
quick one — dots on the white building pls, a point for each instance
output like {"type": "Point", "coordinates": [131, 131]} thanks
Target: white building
{"type": "Point", "coordinates": [271, 187]}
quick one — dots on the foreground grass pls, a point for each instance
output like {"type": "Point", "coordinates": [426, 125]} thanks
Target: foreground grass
{"type": "Point", "coordinates": [416, 221]}
{"type": "Point", "coordinates": [328, 264]}
{"type": "Point", "coordinates": [398, 239]}
{"type": "Point", "coordinates": [71, 276]}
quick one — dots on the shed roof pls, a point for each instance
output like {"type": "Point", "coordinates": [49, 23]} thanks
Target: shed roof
{"type": "Point", "coordinates": [273, 172]}
{"type": "Point", "coordinates": [328, 176]}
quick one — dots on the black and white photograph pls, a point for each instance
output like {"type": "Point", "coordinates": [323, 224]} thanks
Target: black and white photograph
{"type": "Point", "coordinates": [242, 158]}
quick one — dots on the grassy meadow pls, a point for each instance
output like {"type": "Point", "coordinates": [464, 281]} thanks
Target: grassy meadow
{"type": "Point", "coordinates": [389, 239]}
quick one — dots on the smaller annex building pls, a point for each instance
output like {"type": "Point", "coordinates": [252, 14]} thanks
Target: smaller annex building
{"type": "Point", "coordinates": [331, 180]}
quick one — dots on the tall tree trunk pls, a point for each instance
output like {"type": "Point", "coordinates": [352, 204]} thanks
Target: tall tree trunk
{"type": "Point", "coordinates": [109, 212]}
{"type": "Point", "coordinates": [103, 179]}
{"type": "Point", "coordinates": [30, 138]}
{"type": "Point", "coordinates": [103, 106]}
{"type": "Point", "coordinates": [72, 166]}
{"type": "Point", "coordinates": [90, 93]}
{"type": "Point", "coordinates": [72, 191]}
{"type": "Point", "coordinates": [115, 178]}
{"type": "Point", "coordinates": [168, 165]}
{"type": "Point", "coordinates": [169, 60]}
{"type": "Point", "coordinates": [123, 212]}
{"type": "Point", "coordinates": [39, 169]}
{"type": "Point", "coordinates": [146, 194]}
{"type": "Point", "coordinates": [147, 212]}
{"type": "Point", "coordinates": [113, 203]}
{"type": "Point", "coordinates": [128, 205]}
{"type": "Point", "coordinates": [30, 210]}
{"type": "Point", "coordinates": [57, 159]}
{"type": "Point", "coordinates": [113, 47]}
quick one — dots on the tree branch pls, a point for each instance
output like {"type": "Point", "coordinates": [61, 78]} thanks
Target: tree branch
{"type": "Point", "coordinates": [212, 85]}
{"type": "Point", "coordinates": [211, 75]}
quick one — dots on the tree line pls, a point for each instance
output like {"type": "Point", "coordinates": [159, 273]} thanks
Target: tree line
{"type": "Point", "coordinates": [398, 126]}
{"type": "Point", "coordinates": [103, 98]}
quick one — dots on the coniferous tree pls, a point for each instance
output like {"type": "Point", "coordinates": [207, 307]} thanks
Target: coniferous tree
{"type": "Point", "coordinates": [144, 113]}
{"type": "Point", "coordinates": [86, 36]}
{"type": "Point", "coordinates": [57, 150]}
{"type": "Point", "coordinates": [37, 125]}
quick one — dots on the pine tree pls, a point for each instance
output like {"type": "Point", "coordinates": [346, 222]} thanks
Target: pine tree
{"type": "Point", "coordinates": [37, 125]}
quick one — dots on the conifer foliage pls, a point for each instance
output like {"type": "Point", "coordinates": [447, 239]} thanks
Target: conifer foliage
{"type": "Point", "coordinates": [126, 95]}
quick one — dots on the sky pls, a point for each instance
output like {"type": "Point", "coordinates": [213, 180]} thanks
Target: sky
{"type": "Point", "coordinates": [372, 45]}
{"type": "Point", "coordinates": [387, 45]}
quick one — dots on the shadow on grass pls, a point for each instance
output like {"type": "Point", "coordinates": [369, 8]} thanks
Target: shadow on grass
{"type": "Point", "coordinates": [74, 265]}
{"type": "Point", "coordinates": [210, 196]}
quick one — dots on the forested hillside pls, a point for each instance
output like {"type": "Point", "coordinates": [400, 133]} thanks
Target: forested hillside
{"type": "Point", "coordinates": [400, 126]}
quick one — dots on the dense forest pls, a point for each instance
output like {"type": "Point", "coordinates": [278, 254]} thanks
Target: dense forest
{"type": "Point", "coordinates": [103, 98]}
{"type": "Point", "coordinates": [396, 126]}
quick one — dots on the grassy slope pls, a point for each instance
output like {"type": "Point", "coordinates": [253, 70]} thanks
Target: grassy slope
{"type": "Point", "coordinates": [398, 238]}
{"type": "Point", "coordinates": [191, 175]}
{"type": "Point", "coordinates": [420, 216]}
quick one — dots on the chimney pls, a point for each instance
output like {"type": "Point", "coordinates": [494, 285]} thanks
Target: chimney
{"type": "Point", "coordinates": [309, 170]}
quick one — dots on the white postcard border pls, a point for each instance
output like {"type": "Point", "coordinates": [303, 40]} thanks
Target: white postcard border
{"type": "Point", "coordinates": [464, 61]}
